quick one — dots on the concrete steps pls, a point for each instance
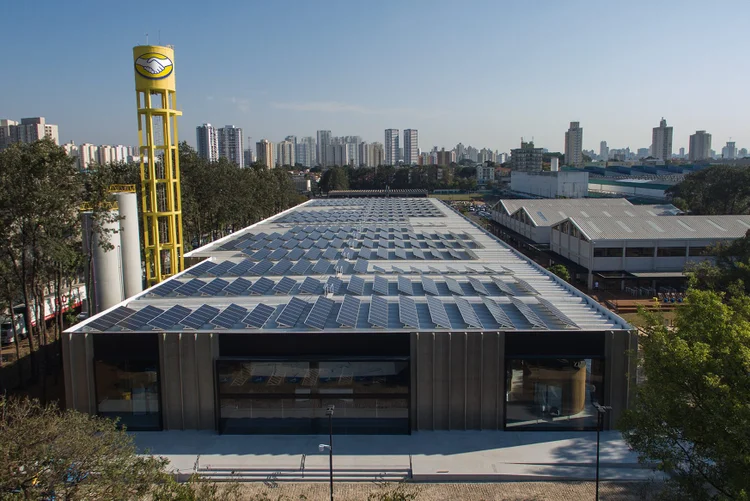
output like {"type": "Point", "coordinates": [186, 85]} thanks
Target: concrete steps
{"type": "Point", "coordinates": [359, 474]}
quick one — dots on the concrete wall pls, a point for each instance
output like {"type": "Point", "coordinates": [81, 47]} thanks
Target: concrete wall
{"type": "Point", "coordinates": [568, 184]}
{"type": "Point", "coordinates": [620, 366]}
{"type": "Point", "coordinates": [458, 383]}
{"type": "Point", "coordinates": [78, 372]}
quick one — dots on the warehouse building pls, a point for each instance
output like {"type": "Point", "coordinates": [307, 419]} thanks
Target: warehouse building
{"type": "Point", "coordinates": [400, 312]}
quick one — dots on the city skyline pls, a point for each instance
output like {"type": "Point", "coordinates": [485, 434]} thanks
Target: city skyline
{"type": "Point", "coordinates": [493, 107]}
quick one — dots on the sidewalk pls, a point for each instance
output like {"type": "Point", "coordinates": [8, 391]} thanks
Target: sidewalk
{"type": "Point", "coordinates": [430, 456]}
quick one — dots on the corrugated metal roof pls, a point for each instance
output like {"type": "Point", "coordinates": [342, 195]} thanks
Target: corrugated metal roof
{"type": "Point", "coordinates": [548, 216]}
{"type": "Point", "coordinates": [511, 205]}
{"type": "Point", "coordinates": [663, 227]}
{"type": "Point", "coordinates": [245, 288]}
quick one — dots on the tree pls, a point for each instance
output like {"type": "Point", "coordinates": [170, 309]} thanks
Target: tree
{"type": "Point", "coordinates": [561, 271]}
{"type": "Point", "coordinates": [716, 190]}
{"type": "Point", "coordinates": [691, 417]}
{"type": "Point", "coordinates": [730, 272]}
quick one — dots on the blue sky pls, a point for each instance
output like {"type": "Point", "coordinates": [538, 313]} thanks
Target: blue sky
{"type": "Point", "coordinates": [483, 73]}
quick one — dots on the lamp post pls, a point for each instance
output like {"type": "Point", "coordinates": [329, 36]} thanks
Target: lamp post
{"type": "Point", "coordinates": [600, 411]}
{"type": "Point", "coordinates": [329, 446]}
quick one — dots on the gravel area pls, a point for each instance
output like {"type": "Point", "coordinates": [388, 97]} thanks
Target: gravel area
{"type": "Point", "coordinates": [506, 491]}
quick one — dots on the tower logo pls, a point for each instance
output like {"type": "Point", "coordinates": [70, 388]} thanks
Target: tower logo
{"type": "Point", "coordinates": [154, 66]}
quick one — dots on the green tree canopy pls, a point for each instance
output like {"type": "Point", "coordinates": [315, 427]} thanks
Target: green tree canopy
{"type": "Point", "coordinates": [715, 190]}
{"type": "Point", "coordinates": [692, 414]}
{"type": "Point", "coordinates": [561, 271]}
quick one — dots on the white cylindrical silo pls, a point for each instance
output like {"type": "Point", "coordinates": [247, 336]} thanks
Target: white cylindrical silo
{"type": "Point", "coordinates": [554, 165]}
{"type": "Point", "coordinates": [132, 271]}
{"type": "Point", "coordinates": [106, 266]}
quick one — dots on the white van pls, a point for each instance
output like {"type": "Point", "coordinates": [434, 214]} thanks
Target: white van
{"type": "Point", "coordinates": [6, 328]}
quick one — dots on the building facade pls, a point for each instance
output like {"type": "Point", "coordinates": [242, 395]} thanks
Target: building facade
{"type": "Point", "coordinates": [700, 146]}
{"type": "Point", "coordinates": [526, 158]}
{"type": "Point", "coordinates": [324, 139]}
{"type": "Point", "coordinates": [305, 152]}
{"type": "Point", "coordinates": [411, 147]}
{"type": "Point", "coordinates": [391, 146]}
{"type": "Point", "coordinates": [285, 153]}
{"type": "Point", "coordinates": [208, 142]}
{"type": "Point", "coordinates": [397, 338]}
{"type": "Point", "coordinates": [265, 151]}
{"type": "Point", "coordinates": [661, 141]}
{"type": "Point", "coordinates": [729, 151]}
{"type": "Point", "coordinates": [230, 142]}
{"type": "Point", "coordinates": [563, 184]}
{"type": "Point", "coordinates": [574, 145]}
{"type": "Point", "coordinates": [27, 131]}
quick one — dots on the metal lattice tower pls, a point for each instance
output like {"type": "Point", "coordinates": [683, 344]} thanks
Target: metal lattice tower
{"type": "Point", "coordinates": [160, 168]}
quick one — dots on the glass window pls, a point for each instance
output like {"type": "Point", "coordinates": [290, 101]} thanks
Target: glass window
{"type": "Point", "coordinates": [639, 252]}
{"type": "Point", "coordinates": [553, 393]}
{"type": "Point", "coordinates": [608, 252]}
{"type": "Point", "coordinates": [129, 390]}
{"type": "Point", "coordinates": [699, 251]}
{"type": "Point", "coordinates": [671, 252]}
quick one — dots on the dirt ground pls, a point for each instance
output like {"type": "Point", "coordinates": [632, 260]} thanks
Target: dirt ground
{"type": "Point", "coordinates": [506, 491]}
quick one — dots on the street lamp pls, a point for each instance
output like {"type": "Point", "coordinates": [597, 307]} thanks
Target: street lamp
{"type": "Point", "coordinates": [329, 446]}
{"type": "Point", "coordinates": [600, 411]}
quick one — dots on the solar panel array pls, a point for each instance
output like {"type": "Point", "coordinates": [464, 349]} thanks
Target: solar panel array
{"type": "Point", "coordinates": [562, 317]}
{"type": "Point", "coordinates": [378, 315]}
{"type": "Point", "coordinates": [528, 313]}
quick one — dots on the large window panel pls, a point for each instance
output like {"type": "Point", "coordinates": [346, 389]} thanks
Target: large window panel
{"type": "Point", "coordinates": [553, 393]}
{"type": "Point", "coordinates": [129, 390]}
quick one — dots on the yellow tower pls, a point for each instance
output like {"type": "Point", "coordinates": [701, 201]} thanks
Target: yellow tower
{"type": "Point", "coordinates": [160, 160]}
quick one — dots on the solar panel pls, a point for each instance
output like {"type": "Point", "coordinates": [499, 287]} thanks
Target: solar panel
{"type": "Point", "coordinates": [454, 286]}
{"type": "Point", "coordinates": [190, 288]}
{"type": "Point", "coordinates": [455, 254]}
{"type": "Point", "coordinates": [262, 267]}
{"type": "Point", "coordinates": [305, 244]}
{"type": "Point", "coordinates": [240, 268]}
{"type": "Point", "coordinates": [319, 313]}
{"type": "Point", "coordinates": [313, 254]}
{"type": "Point", "coordinates": [382, 253]}
{"type": "Point", "coordinates": [140, 318]}
{"type": "Point", "coordinates": [478, 286]}
{"type": "Point", "coordinates": [284, 285]}
{"type": "Point", "coordinates": [295, 254]}
{"type": "Point", "coordinates": [334, 284]}
{"type": "Point", "coordinates": [399, 243]}
{"type": "Point", "coordinates": [165, 288]}
{"type": "Point", "coordinates": [503, 286]}
{"type": "Point", "coordinates": [407, 312]}
{"type": "Point", "coordinates": [437, 312]}
{"type": "Point", "coordinates": [237, 287]}
{"type": "Point", "coordinates": [213, 287]}
{"type": "Point", "coordinates": [330, 253]}
{"type": "Point", "coordinates": [321, 267]}
{"type": "Point", "coordinates": [221, 268]}
{"type": "Point", "coordinates": [287, 236]}
{"type": "Point", "coordinates": [383, 242]}
{"type": "Point", "coordinates": [562, 317]}
{"type": "Point", "coordinates": [349, 311]}
{"type": "Point", "coordinates": [366, 253]}
{"type": "Point", "coordinates": [322, 243]}
{"type": "Point", "coordinates": [430, 243]}
{"type": "Point", "coordinates": [418, 253]}
{"type": "Point", "coordinates": [261, 255]}
{"type": "Point", "coordinates": [468, 313]}
{"type": "Point", "coordinates": [341, 266]}
{"type": "Point", "coordinates": [275, 244]}
{"type": "Point", "coordinates": [328, 234]}
{"type": "Point", "coordinates": [451, 269]}
{"type": "Point", "coordinates": [498, 313]}
{"type": "Point", "coordinates": [526, 286]}
{"type": "Point", "coordinates": [378, 315]}
{"type": "Point", "coordinates": [259, 316]}
{"type": "Point", "coordinates": [380, 285]}
{"type": "Point", "coordinates": [399, 270]}
{"type": "Point", "coordinates": [352, 243]}
{"type": "Point", "coordinates": [315, 235]}
{"type": "Point", "coordinates": [432, 269]}
{"type": "Point", "coordinates": [291, 312]}
{"type": "Point", "coordinates": [261, 286]}
{"type": "Point", "coordinates": [527, 312]}
{"type": "Point", "coordinates": [436, 254]}
{"type": "Point", "coordinates": [400, 253]}
{"type": "Point", "coordinates": [368, 243]}
{"type": "Point", "coordinates": [200, 317]}
{"type": "Point", "coordinates": [200, 268]}
{"type": "Point", "coordinates": [259, 244]}
{"type": "Point", "coordinates": [310, 286]}
{"type": "Point", "coordinates": [414, 269]}
{"type": "Point", "coordinates": [360, 266]}
{"type": "Point", "coordinates": [469, 269]}
{"type": "Point", "coordinates": [291, 244]}
{"type": "Point", "coordinates": [405, 285]}
{"type": "Point", "coordinates": [277, 254]}
{"type": "Point", "coordinates": [170, 317]}
{"type": "Point", "coordinates": [356, 285]}
{"type": "Point", "coordinates": [280, 268]}
{"type": "Point", "coordinates": [300, 268]}
{"type": "Point", "coordinates": [430, 286]}
{"type": "Point", "coordinates": [230, 317]}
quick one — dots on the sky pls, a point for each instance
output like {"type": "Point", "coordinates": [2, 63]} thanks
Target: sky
{"type": "Point", "coordinates": [485, 73]}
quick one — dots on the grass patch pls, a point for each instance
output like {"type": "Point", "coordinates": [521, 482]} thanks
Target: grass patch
{"type": "Point", "coordinates": [636, 320]}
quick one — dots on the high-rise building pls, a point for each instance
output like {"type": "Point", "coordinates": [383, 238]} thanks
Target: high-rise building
{"type": "Point", "coordinates": [230, 144]}
{"type": "Point", "coordinates": [324, 139]}
{"type": "Point", "coordinates": [28, 131]}
{"type": "Point", "coordinates": [304, 152]}
{"type": "Point", "coordinates": [661, 141]}
{"type": "Point", "coordinates": [603, 151]}
{"type": "Point", "coordinates": [682, 152]}
{"type": "Point", "coordinates": [285, 153]}
{"type": "Point", "coordinates": [106, 154]}
{"type": "Point", "coordinates": [574, 145]}
{"type": "Point", "coordinates": [249, 156]}
{"type": "Point", "coordinates": [700, 146]}
{"type": "Point", "coordinates": [208, 142]}
{"type": "Point", "coordinates": [460, 152]}
{"type": "Point", "coordinates": [337, 154]}
{"type": "Point", "coordinates": [391, 146]}
{"type": "Point", "coordinates": [411, 146]}
{"type": "Point", "coordinates": [526, 158]}
{"type": "Point", "coordinates": [376, 154]}
{"type": "Point", "coordinates": [729, 152]}
{"type": "Point", "coordinates": [88, 154]}
{"type": "Point", "coordinates": [743, 152]}
{"type": "Point", "coordinates": [444, 158]}
{"type": "Point", "coordinates": [265, 152]}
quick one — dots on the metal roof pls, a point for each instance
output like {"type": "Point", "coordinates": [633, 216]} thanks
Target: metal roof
{"type": "Point", "coordinates": [242, 285]}
{"type": "Point", "coordinates": [663, 227]}
{"type": "Point", "coordinates": [511, 205]}
{"type": "Point", "coordinates": [548, 215]}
